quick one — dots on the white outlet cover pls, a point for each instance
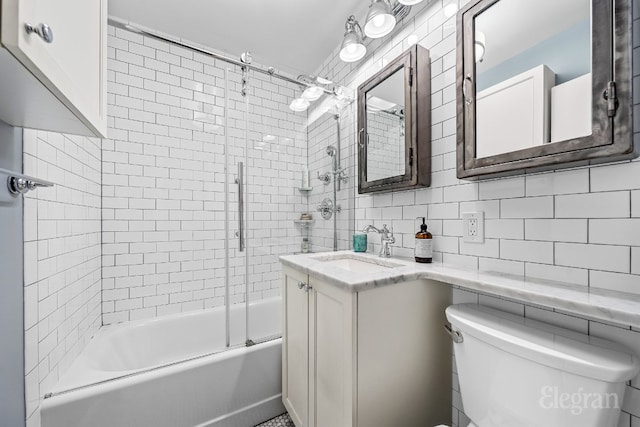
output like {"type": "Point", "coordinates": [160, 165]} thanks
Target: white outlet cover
{"type": "Point", "coordinates": [468, 234]}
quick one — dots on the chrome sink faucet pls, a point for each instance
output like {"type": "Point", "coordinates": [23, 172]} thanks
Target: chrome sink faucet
{"type": "Point", "coordinates": [386, 239]}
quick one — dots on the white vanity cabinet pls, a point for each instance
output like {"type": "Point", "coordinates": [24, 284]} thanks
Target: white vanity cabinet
{"type": "Point", "coordinates": [378, 357]}
{"type": "Point", "coordinates": [54, 78]}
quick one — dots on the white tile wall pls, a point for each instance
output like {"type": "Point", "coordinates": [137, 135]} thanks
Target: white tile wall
{"type": "Point", "coordinates": [164, 180]}
{"type": "Point", "coordinates": [61, 256]}
{"type": "Point", "coordinates": [321, 133]}
{"type": "Point", "coordinates": [572, 226]}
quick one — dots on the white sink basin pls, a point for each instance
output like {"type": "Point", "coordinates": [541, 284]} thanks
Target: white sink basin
{"type": "Point", "coordinates": [358, 265]}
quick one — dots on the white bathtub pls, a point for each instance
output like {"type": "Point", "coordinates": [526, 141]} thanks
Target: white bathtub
{"type": "Point", "coordinates": [153, 373]}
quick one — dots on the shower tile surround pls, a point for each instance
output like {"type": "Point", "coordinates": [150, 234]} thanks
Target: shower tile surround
{"type": "Point", "coordinates": [62, 246]}
{"type": "Point", "coordinates": [163, 180]}
{"type": "Point", "coordinates": [578, 226]}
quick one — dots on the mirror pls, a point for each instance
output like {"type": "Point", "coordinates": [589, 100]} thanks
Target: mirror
{"type": "Point", "coordinates": [394, 125]}
{"type": "Point", "coordinates": [386, 128]}
{"type": "Point", "coordinates": [531, 79]}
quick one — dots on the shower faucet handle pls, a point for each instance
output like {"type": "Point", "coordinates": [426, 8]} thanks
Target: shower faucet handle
{"type": "Point", "coordinates": [325, 178]}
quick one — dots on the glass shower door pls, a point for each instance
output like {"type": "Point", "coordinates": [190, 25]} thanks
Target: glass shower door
{"type": "Point", "coordinates": [275, 157]}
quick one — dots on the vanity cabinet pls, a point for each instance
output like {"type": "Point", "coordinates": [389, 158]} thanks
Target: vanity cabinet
{"type": "Point", "coordinates": [378, 357]}
{"type": "Point", "coordinates": [54, 74]}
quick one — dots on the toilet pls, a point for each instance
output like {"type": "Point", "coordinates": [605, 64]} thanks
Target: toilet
{"type": "Point", "coordinates": [517, 372]}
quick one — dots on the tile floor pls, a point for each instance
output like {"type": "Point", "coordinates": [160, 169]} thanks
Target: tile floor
{"type": "Point", "coordinates": [283, 420]}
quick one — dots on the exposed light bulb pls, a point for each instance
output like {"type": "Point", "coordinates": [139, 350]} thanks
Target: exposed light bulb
{"type": "Point", "coordinates": [409, 2]}
{"type": "Point", "coordinates": [378, 21]}
{"type": "Point", "coordinates": [450, 10]}
{"type": "Point", "coordinates": [299, 104]}
{"type": "Point", "coordinates": [312, 93]}
{"type": "Point", "coordinates": [480, 45]}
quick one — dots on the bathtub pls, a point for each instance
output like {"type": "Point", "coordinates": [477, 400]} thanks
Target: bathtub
{"type": "Point", "coordinates": [174, 371]}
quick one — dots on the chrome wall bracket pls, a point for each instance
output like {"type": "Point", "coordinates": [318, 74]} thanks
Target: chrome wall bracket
{"type": "Point", "coordinates": [22, 184]}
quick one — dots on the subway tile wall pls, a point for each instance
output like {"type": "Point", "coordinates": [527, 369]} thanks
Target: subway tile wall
{"type": "Point", "coordinates": [578, 226]}
{"type": "Point", "coordinates": [164, 173]}
{"type": "Point", "coordinates": [62, 266]}
{"type": "Point", "coordinates": [321, 133]}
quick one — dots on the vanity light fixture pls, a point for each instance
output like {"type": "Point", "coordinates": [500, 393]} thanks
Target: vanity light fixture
{"type": "Point", "coordinates": [380, 19]}
{"type": "Point", "coordinates": [450, 9]}
{"type": "Point", "coordinates": [480, 43]}
{"type": "Point", "coordinates": [378, 104]}
{"type": "Point", "coordinates": [409, 2]}
{"type": "Point", "coordinates": [313, 89]}
{"type": "Point", "coordinates": [312, 93]}
{"type": "Point", "coordinates": [352, 48]}
{"type": "Point", "coordinates": [323, 81]}
{"type": "Point", "coordinates": [299, 104]}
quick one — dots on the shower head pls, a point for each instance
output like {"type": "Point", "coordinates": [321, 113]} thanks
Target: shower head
{"type": "Point", "coordinates": [331, 150]}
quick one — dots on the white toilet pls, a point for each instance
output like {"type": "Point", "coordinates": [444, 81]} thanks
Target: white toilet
{"type": "Point", "coordinates": [517, 372]}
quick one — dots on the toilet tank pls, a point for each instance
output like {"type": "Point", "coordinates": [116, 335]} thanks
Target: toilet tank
{"type": "Point", "coordinates": [517, 372]}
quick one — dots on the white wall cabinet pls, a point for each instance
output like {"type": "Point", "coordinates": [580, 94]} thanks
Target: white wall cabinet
{"type": "Point", "coordinates": [374, 358]}
{"type": "Point", "coordinates": [58, 85]}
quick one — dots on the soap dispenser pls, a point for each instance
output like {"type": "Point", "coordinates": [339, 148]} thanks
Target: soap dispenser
{"type": "Point", "coordinates": [423, 251]}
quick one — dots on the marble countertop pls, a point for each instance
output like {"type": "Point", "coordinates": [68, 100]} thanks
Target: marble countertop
{"type": "Point", "coordinates": [610, 306]}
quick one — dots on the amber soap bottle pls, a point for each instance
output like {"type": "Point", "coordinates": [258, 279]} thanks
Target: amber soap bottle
{"type": "Point", "coordinates": [423, 249]}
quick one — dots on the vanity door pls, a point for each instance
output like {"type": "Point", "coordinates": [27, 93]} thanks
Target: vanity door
{"type": "Point", "coordinates": [295, 347]}
{"type": "Point", "coordinates": [332, 347]}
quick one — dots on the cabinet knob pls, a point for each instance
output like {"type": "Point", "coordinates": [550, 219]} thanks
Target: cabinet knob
{"type": "Point", "coordinates": [43, 30]}
{"type": "Point", "coordinates": [302, 285]}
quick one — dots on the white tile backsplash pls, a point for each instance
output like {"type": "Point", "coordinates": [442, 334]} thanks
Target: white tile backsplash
{"type": "Point", "coordinates": [594, 205]}
{"type": "Point", "coordinates": [599, 257]}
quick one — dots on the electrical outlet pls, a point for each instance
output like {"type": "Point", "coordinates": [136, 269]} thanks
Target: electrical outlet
{"type": "Point", "coordinates": [473, 227]}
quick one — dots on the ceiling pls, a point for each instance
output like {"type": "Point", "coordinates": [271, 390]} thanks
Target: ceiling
{"type": "Point", "coordinates": [293, 36]}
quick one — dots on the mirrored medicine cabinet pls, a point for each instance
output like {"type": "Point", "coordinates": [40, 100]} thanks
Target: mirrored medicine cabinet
{"type": "Point", "coordinates": [542, 84]}
{"type": "Point", "coordinates": [394, 125]}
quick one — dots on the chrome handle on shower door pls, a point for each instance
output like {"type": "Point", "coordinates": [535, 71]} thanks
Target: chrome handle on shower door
{"type": "Point", "coordinates": [239, 181]}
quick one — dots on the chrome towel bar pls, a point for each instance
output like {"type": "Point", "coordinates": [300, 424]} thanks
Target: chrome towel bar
{"type": "Point", "coordinates": [18, 183]}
